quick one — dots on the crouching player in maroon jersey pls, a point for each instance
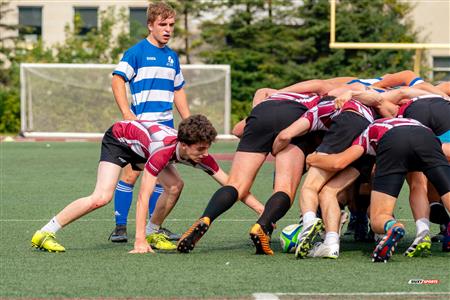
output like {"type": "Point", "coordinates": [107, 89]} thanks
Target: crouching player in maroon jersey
{"type": "Point", "coordinates": [401, 146]}
{"type": "Point", "coordinates": [147, 146]}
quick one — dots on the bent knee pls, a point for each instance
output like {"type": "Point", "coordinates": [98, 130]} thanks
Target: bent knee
{"type": "Point", "coordinates": [328, 194]}
{"type": "Point", "coordinates": [99, 200]}
{"type": "Point", "coordinates": [175, 189]}
{"type": "Point", "coordinates": [130, 176]}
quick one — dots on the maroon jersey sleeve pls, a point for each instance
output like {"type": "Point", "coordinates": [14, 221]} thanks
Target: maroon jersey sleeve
{"type": "Point", "coordinates": [209, 165]}
{"type": "Point", "coordinates": [159, 160]}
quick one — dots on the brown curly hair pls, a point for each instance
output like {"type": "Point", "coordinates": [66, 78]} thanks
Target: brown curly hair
{"type": "Point", "coordinates": [196, 129]}
{"type": "Point", "coordinates": [159, 9]}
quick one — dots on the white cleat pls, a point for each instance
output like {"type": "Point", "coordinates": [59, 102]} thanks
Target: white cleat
{"type": "Point", "coordinates": [325, 251]}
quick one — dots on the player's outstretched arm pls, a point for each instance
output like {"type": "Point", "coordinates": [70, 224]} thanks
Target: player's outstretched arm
{"type": "Point", "coordinates": [444, 87]}
{"type": "Point", "coordinates": [222, 178]}
{"type": "Point", "coordinates": [147, 186]}
{"type": "Point", "coordinates": [311, 86]}
{"type": "Point", "coordinates": [298, 128]}
{"type": "Point", "coordinates": [396, 79]}
{"type": "Point", "coordinates": [120, 95]}
{"type": "Point", "coordinates": [181, 103]}
{"type": "Point", "coordinates": [428, 87]}
{"type": "Point", "coordinates": [335, 162]}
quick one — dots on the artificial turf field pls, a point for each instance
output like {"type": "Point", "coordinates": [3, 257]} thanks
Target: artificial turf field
{"type": "Point", "coordinates": [39, 179]}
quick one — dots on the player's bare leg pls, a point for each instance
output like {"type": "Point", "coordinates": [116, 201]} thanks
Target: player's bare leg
{"type": "Point", "coordinates": [383, 222]}
{"type": "Point", "coordinates": [243, 171]}
{"type": "Point", "coordinates": [418, 200]}
{"type": "Point", "coordinates": [331, 212]}
{"type": "Point", "coordinates": [173, 185]}
{"type": "Point", "coordinates": [309, 201]}
{"type": "Point", "coordinates": [107, 177]}
{"type": "Point", "coordinates": [288, 171]}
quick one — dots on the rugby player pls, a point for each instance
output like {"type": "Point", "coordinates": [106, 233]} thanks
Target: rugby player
{"type": "Point", "coordinates": [401, 145]}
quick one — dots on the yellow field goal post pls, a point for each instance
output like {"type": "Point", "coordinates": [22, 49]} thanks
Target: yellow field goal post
{"type": "Point", "coordinates": [419, 47]}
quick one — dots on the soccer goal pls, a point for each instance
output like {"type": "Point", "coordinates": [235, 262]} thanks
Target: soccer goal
{"type": "Point", "coordinates": [75, 100]}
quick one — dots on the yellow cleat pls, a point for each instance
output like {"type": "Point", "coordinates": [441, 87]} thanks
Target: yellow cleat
{"type": "Point", "coordinates": [46, 241]}
{"type": "Point", "coordinates": [160, 241]}
{"type": "Point", "coordinates": [421, 246]}
{"type": "Point", "coordinates": [261, 240]}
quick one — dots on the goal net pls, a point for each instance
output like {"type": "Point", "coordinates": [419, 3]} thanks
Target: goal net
{"type": "Point", "coordinates": [75, 100]}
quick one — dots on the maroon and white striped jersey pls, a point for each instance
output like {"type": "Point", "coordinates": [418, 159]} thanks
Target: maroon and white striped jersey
{"type": "Point", "coordinates": [403, 107]}
{"type": "Point", "coordinates": [372, 135]}
{"type": "Point", "coordinates": [320, 116]}
{"type": "Point", "coordinates": [365, 111]}
{"type": "Point", "coordinates": [309, 100]}
{"type": "Point", "coordinates": [158, 144]}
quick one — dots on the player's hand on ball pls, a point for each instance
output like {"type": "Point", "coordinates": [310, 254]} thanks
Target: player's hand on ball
{"type": "Point", "coordinates": [141, 247]}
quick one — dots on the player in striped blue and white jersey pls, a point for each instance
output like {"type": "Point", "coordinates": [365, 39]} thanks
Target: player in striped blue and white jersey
{"type": "Point", "coordinates": [152, 71]}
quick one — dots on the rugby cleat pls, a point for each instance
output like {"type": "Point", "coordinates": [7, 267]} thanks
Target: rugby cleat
{"type": "Point", "coordinates": [119, 234]}
{"type": "Point", "coordinates": [193, 235]}
{"type": "Point", "coordinates": [439, 237]}
{"type": "Point", "coordinates": [324, 251]}
{"type": "Point", "coordinates": [386, 247]}
{"type": "Point", "coordinates": [171, 236]}
{"type": "Point", "coordinates": [261, 240]}
{"type": "Point", "coordinates": [421, 245]}
{"type": "Point", "coordinates": [160, 241]}
{"type": "Point", "coordinates": [46, 241]}
{"type": "Point", "coordinates": [307, 237]}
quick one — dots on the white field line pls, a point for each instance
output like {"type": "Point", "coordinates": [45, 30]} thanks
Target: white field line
{"type": "Point", "coordinates": [275, 296]}
{"type": "Point", "coordinates": [168, 220]}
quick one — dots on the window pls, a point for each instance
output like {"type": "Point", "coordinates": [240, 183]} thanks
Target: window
{"type": "Point", "coordinates": [30, 22]}
{"type": "Point", "coordinates": [88, 18]}
{"type": "Point", "coordinates": [441, 68]}
{"type": "Point", "coordinates": [138, 22]}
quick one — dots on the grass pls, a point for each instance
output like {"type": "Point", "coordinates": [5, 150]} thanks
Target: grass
{"type": "Point", "coordinates": [39, 179]}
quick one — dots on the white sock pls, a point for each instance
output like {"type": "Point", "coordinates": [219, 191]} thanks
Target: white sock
{"type": "Point", "coordinates": [331, 238]}
{"type": "Point", "coordinates": [308, 218]}
{"type": "Point", "coordinates": [52, 226]}
{"type": "Point", "coordinates": [421, 225]}
{"type": "Point", "coordinates": [151, 228]}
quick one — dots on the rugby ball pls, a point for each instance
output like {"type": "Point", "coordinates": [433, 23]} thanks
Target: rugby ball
{"type": "Point", "coordinates": [288, 237]}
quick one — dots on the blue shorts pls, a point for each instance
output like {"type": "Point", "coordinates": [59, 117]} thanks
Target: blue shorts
{"type": "Point", "coordinates": [445, 138]}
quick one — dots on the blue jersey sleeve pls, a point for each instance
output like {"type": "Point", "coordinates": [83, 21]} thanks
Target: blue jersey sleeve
{"type": "Point", "coordinates": [127, 66]}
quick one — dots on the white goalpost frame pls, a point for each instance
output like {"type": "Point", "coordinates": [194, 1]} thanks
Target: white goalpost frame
{"type": "Point", "coordinates": [26, 108]}
{"type": "Point", "coordinates": [419, 47]}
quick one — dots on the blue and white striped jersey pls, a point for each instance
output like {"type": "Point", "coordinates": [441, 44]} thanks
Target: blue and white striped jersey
{"type": "Point", "coordinates": [153, 75]}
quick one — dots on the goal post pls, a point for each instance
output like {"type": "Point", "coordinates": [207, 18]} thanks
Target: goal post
{"type": "Point", "coordinates": [76, 101]}
{"type": "Point", "coordinates": [419, 47]}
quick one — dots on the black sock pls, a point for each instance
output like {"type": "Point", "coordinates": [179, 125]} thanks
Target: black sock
{"type": "Point", "coordinates": [221, 201]}
{"type": "Point", "coordinates": [438, 214]}
{"type": "Point", "coordinates": [275, 208]}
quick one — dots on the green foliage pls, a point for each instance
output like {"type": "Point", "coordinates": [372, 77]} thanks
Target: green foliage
{"type": "Point", "coordinates": [97, 46]}
{"type": "Point", "coordinates": [268, 51]}
{"type": "Point", "coordinates": [267, 43]}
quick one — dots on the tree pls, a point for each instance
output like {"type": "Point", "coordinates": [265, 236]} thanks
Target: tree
{"type": "Point", "coordinates": [264, 51]}
{"type": "Point", "coordinates": [98, 46]}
